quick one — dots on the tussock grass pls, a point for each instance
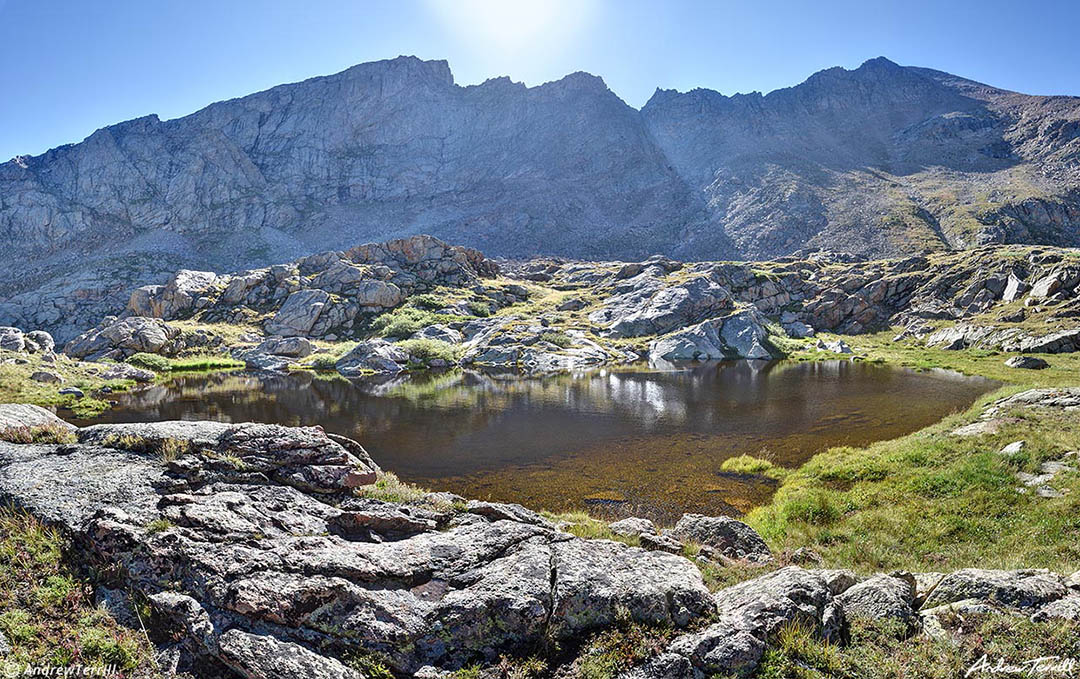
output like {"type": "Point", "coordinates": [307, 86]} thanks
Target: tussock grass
{"type": "Point", "coordinates": [17, 387]}
{"type": "Point", "coordinates": [389, 488]}
{"type": "Point", "coordinates": [167, 449]}
{"type": "Point", "coordinates": [478, 308]}
{"type": "Point", "coordinates": [406, 320]}
{"type": "Point", "coordinates": [930, 500]}
{"type": "Point", "coordinates": [230, 332]}
{"type": "Point", "coordinates": [195, 363]}
{"type": "Point", "coordinates": [877, 650]}
{"type": "Point", "coordinates": [583, 525]}
{"type": "Point", "coordinates": [425, 350]}
{"type": "Point", "coordinates": [158, 526]}
{"type": "Point", "coordinates": [46, 433]}
{"type": "Point", "coordinates": [620, 647]}
{"type": "Point", "coordinates": [324, 362]}
{"type": "Point", "coordinates": [749, 464]}
{"type": "Point", "coordinates": [559, 339]}
{"type": "Point", "coordinates": [1064, 369]}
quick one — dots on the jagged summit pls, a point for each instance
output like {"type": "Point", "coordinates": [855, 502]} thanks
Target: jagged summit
{"type": "Point", "coordinates": [877, 67]}
{"type": "Point", "coordinates": [879, 160]}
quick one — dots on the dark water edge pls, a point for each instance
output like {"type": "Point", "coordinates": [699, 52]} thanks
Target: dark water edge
{"type": "Point", "coordinates": [615, 441]}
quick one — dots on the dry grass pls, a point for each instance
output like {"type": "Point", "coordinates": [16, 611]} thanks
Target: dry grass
{"type": "Point", "coordinates": [46, 433]}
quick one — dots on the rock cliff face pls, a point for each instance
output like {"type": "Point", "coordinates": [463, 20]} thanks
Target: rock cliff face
{"type": "Point", "coordinates": [880, 160]}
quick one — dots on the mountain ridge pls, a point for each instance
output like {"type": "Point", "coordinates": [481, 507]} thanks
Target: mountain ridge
{"type": "Point", "coordinates": [880, 160]}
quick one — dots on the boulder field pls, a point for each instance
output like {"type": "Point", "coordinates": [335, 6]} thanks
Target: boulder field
{"type": "Point", "coordinates": [261, 552]}
{"type": "Point", "coordinates": [421, 303]}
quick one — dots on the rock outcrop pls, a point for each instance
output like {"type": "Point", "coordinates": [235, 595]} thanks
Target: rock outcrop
{"type": "Point", "coordinates": [680, 311]}
{"type": "Point", "coordinates": [328, 294]}
{"type": "Point", "coordinates": [25, 416]}
{"type": "Point", "coordinates": [37, 341]}
{"type": "Point", "coordinates": [740, 335]}
{"type": "Point", "coordinates": [732, 538]}
{"type": "Point", "coordinates": [752, 611]}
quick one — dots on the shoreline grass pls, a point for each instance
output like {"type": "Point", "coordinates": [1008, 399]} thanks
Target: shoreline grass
{"type": "Point", "coordinates": [194, 363]}
{"type": "Point", "coordinates": [930, 500]}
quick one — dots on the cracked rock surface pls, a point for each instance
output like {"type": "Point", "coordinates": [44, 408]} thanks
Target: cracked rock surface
{"type": "Point", "coordinates": [251, 543]}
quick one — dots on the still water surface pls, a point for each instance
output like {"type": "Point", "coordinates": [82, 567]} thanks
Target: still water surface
{"type": "Point", "coordinates": [615, 441]}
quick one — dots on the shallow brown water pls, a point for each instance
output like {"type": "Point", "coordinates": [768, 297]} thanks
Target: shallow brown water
{"type": "Point", "coordinates": [624, 441]}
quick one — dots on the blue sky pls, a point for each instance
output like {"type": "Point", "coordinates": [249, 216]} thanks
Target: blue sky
{"type": "Point", "coordinates": [70, 67]}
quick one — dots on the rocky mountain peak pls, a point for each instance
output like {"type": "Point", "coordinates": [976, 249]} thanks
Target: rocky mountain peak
{"type": "Point", "coordinates": [879, 160]}
{"type": "Point", "coordinates": [403, 67]}
{"type": "Point", "coordinates": [579, 80]}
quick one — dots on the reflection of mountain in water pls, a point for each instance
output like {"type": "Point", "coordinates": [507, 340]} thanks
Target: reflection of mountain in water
{"type": "Point", "coordinates": [611, 434]}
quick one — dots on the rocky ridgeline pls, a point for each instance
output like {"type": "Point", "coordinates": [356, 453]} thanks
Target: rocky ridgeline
{"type": "Point", "coordinates": [582, 314]}
{"type": "Point", "coordinates": [882, 160]}
{"type": "Point", "coordinates": [258, 558]}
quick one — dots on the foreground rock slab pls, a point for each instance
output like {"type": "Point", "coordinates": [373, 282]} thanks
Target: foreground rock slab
{"type": "Point", "coordinates": [248, 541]}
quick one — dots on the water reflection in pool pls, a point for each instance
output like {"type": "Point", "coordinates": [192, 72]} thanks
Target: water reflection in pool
{"type": "Point", "coordinates": [620, 441]}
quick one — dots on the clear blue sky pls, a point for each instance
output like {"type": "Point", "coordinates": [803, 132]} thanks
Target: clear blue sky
{"type": "Point", "coordinates": [70, 67]}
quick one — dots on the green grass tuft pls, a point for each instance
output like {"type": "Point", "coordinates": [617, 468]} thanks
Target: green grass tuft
{"type": "Point", "coordinates": [618, 648]}
{"type": "Point", "coordinates": [167, 449]}
{"type": "Point", "coordinates": [426, 350]}
{"type": "Point", "coordinates": [163, 364]}
{"type": "Point", "coordinates": [149, 362]}
{"type": "Point", "coordinates": [748, 464]}
{"type": "Point", "coordinates": [389, 488]}
{"type": "Point", "coordinates": [404, 321]}
{"type": "Point", "coordinates": [559, 339]}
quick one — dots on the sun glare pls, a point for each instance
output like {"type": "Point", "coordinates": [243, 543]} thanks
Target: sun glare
{"type": "Point", "coordinates": [512, 27]}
